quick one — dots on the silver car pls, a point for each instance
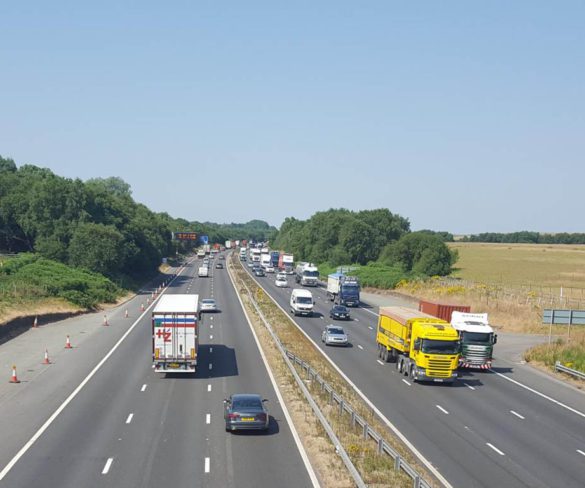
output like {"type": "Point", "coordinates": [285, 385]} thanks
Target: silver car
{"type": "Point", "coordinates": [334, 335]}
{"type": "Point", "coordinates": [208, 305]}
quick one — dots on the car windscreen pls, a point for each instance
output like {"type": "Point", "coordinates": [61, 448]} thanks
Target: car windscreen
{"type": "Point", "coordinates": [340, 309]}
{"type": "Point", "coordinates": [208, 302]}
{"type": "Point", "coordinates": [305, 300]}
{"type": "Point", "coordinates": [335, 331]}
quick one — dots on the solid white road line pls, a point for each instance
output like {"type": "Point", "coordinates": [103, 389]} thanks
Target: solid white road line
{"type": "Point", "coordinates": [207, 465]}
{"type": "Point", "coordinates": [360, 346]}
{"type": "Point", "coordinates": [405, 381]}
{"type": "Point", "coordinates": [208, 387]}
{"type": "Point", "coordinates": [495, 449]}
{"type": "Point", "coordinates": [75, 392]}
{"type": "Point", "coordinates": [536, 392]}
{"type": "Point", "coordinates": [442, 409]}
{"type": "Point", "coordinates": [143, 388]}
{"type": "Point", "coordinates": [130, 417]}
{"type": "Point", "coordinates": [380, 362]}
{"type": "Point", "coordinates": [517, 414]}
{"type": "Point", "coordinates": [581, 452]}
{"type": "Point", "coordinates": [469, 386]}
{"type": "Point", "coordinates": [208, 418]}
{"type": "Point", "coordinates": [107, 466]}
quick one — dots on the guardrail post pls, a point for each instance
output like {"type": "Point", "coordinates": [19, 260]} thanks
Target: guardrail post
{"type": "Point", "coordinates": [352, 419]}
{"type": "Point", "coordinates": [397, 461]}
{"type": "Point", "coordinates": [416, 482]}
{"type": "Point", "coordinates": [331, 397]}
{"type": "Point", "coordinates": [341, 407]}
{"type": "Point", "coordinates": [366, 427]}
{"type": "Point", "coordinates": [380, 445]}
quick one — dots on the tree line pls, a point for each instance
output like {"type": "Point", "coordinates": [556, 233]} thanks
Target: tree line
{"type": "Point", "coordinates": [95, 224]}
{"type": "Point", "coordinates": [340, 237]}
{"type": "Point", "coordinates": [527, 237]}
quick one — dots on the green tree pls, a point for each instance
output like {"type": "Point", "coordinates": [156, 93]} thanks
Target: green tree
{"type": "Point", "coordinates": [97, 247]}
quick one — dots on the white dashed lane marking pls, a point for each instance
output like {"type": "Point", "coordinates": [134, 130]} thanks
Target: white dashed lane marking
{"type": "Point", "coordinates": [107, 466]}
{"type": "Point", "coordinates": [361, 347]}
{"type": "Point", "coordinates": [143, 388]}
{"type": "Point", "coordinates": [207, 465]}
{"type": "Point", "coordinates": [442, 409]}
{"type": "Point", "coordinates": [130, 417]}
{"type": "Point", "coordinates": [516, 414]}
{"type": "Point", "coordinates": [495, 449]}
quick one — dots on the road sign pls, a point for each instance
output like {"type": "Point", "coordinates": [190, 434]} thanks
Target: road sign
{"type": "Point", "coordinates": [563, 317]}
{"type": "Point", "coordinates": [185, 236]}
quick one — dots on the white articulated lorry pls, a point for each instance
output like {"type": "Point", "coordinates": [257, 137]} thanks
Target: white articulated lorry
{"type": "Point", "coordinates": [175, 334]}
{"type": "Point", "coordinates": [307, 274]}
{"type": "Point", "coordinates": [265, 260]}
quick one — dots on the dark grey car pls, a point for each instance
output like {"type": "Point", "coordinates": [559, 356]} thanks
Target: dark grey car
{"type": "Point", "coordinates": [245, 411]}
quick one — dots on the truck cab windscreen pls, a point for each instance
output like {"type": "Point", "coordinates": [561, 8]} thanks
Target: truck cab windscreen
{"type": "Point", "coordinates": [305, 300]}
{"type": "Point", "coordinates": [311, 274]}
{"type": "Point", "coordinates": [430, 346]}
{"type": "Point", "coordinates": [353, 289]}
{"type": "Point", "coordinates": [483, 337]}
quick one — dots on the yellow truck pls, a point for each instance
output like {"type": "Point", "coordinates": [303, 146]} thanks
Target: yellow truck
{"type": "Point", "coordinates": [424, 347]}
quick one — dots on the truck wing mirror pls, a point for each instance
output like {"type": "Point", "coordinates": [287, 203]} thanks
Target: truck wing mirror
{"type": "Point", "coordinates": [495, 338]}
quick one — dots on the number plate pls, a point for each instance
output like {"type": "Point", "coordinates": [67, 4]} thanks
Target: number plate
{"type": "Point", "coordinates": [248, 419]}
{"type": "Point", "coordinates": [173, 365]}
{"type": "Point", "coordinates": [438, 380]}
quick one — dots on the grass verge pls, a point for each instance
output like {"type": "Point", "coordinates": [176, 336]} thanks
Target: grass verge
{"type": "Point", "coordinates": [29, 282]}
{"type": "Point", "coordinates": [376, 470]}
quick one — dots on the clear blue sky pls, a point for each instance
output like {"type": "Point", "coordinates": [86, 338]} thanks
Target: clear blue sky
{"type": "Point", "coordinates": [462, 116]}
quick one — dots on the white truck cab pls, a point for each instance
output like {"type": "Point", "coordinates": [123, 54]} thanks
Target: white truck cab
{"type": "Point", "coordinates": [301, 302]}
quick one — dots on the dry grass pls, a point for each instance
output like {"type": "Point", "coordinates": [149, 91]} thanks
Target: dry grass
{"type": "Point", "coordinates": [36, 307]}
{"type": "Point", "coordinates": [543, 268]}
{"type": "Point", "coordinates": [376, 470]}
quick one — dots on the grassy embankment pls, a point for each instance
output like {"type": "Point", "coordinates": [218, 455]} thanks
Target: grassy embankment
{"type": "Point", "coordinates": [30, 285]}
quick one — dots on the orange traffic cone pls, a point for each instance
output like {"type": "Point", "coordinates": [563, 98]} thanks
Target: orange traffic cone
{"type": "Point", "coordinates": [152, 296]}
{"type": "Point", "coordinates": [126, 313]}
{"type": "Point", "coordinates": [68, 344]}
{"type": "Point", "coordinates": [142, 307]}
{"type": "Point", "coordinates": [147, 301]}
{"type": "Point", "coordinates": [36, 322]}
{"type": "Point", "coordinates": [13, 378]}
{"type": "Point", "coordinates": [106, 320]}
{"type": "Point", "coordinates": [46, 360]}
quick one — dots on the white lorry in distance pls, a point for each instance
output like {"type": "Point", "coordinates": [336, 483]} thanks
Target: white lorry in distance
{"type": "Point", "coordinates": [203, 272]}
{"type": "Point", "coordinates": [255, 253]}
{"type": "Point", "coordinates": [265, 260]}
{"type": "Point", "coordinates": [301, 302]}
{"type": "Point", "coordinates": [228, 244]}
{"type": "Point", "coordinates": [288, 263]}
{"type": "Point", "coordinates": [307, 274]}
{"type": "Point", "coordinates": [477, 339]}
{"type": "Point", "coordinates": [201, 254]}
{"type": "Point", "coordinates": [175, 334]}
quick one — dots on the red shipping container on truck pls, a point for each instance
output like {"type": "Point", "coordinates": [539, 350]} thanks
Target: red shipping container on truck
{"type": "Point", "coordinates": [442, 310]}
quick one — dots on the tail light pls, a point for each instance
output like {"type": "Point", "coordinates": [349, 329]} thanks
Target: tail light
{"type": "Point", "coordinates": [261, 417]}
{"type": "Point", "coordinates": [233, 416]}
{"type": "Point", "coordinates": [157, 353]}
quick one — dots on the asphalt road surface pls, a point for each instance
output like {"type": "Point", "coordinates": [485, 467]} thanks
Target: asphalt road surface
{"type": "Point", "coordinates": [129, 426]}
{"type": "Point", "coordinates": [507, 427]}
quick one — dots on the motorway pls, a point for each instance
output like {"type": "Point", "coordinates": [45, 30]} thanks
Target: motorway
{"type": "Point", "coordinates": [129, 426]}
{"type": "Point", "coordinates": [505, 427]}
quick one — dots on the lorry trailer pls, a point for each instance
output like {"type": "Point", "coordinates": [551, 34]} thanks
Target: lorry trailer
{"type": "Point", "coordinates": [175, 334]}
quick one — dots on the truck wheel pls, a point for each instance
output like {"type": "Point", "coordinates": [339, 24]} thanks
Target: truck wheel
{"type": "Point", "coordinates": [400, 365]}
{"type": "Point", "coordinates": [412, 375]}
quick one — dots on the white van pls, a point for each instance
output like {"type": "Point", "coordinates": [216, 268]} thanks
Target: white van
{"type": "Point", "coordinates": [301, 302]}
{"type": "Point", "coordinates": [203, 272]}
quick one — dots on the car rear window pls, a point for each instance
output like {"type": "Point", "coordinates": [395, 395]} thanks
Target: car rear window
{"type": "Point", "coordinates": [247, 403]}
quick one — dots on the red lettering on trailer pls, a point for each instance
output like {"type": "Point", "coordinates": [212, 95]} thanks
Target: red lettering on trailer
{"type": "Point", "coordinates": [164, 333]}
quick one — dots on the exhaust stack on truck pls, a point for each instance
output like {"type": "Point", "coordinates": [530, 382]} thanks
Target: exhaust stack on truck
{"type": "Point", "coordinates": [175, 334]}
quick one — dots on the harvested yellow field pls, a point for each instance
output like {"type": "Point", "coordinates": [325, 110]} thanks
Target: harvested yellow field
{"type": "Point", "coordinates": [539, 266]}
